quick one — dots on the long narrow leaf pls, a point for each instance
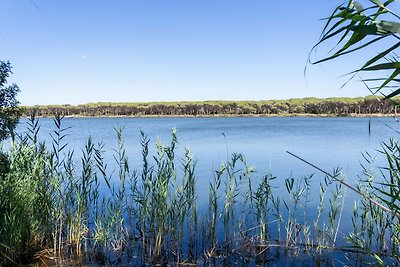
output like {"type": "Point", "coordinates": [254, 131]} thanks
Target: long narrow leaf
{"type": "Point", "coordinates": [391, 77]}
{"type": "Point", "coordinates": [383, 66]}
{"type": "Point", "coordinates": [356, 37]}
{"type": "Point", "coordinates": [329, 20]}
{"type": "Point", "coordinates": [380, 79]}
{"type": "Point", "coordinates": [350, 51]}
{"type": "Point", "coordinates": [344, 28]}
{"type": "Point", "coordinates": [384, 6]}
{"type": "Point", "coordinates": [381, 55]}
{"type": "Point", "coordinates": [396, 92]}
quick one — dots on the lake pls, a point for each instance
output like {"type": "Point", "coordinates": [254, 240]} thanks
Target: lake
{"type": "Point", "coordinates": [328, 142]}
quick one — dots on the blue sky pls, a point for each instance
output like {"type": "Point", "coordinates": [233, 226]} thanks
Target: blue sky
{"type": "Point", "coordinates": [73, 52]}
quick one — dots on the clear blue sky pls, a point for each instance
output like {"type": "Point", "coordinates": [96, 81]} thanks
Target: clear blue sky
{"type": "Point", "coordinates": [72, 52]}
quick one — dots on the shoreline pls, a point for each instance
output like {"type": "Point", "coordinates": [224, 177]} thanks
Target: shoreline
{"type": "Point", "coordinates": [305, 107]}
{"type": "Point", "coordinates": [300, 115]}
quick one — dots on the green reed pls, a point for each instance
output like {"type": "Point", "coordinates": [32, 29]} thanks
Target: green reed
{"type": "Point", "coordinates": [298, 194]}
{"type": "Point", "coordinates": [261, 197]}
{"type": "Point", "coordinates": [23, 172]}
{"type": "Point", "coordinates": [213, 209]}
{"type": "Point", "coordinates": [376, 231]}
{"type": "Point", "coordinates": [63, 205]}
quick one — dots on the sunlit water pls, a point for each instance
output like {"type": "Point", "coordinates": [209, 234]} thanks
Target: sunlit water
{"type": "Point", "coordinates": [325, 142]}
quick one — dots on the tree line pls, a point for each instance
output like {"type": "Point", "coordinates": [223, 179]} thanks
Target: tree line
{"type": "Point", "coordinates": [328, 106]}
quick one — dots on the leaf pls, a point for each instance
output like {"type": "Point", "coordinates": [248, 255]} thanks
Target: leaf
{"type": "Point", "coordinates": [330, 18]}
{"type": "Point", "coordinates": [350, 51]}
{"type": "Point", "coordinates": [358, 6]}
{"type": "Point", "coordinates": [378, 3]}
{"type": "Point", "coordinates": [328, 36]}
{"type": "Point", "coordinates": [397, 92]}
{"type": "Point", "coordinates": [346, 16]}
{"type": "Point", "coordinates": [358, 34]}
{"type": "Point", "coordinates": [384, 6]}
{"type": "Point", "coordinates": [379, 79]}
{"type": "Point", "coordinates": [351, 24]}
{"type": "Point", "coordinates": [370, 29]}
{"type": "Point", "coordinates": [383, 66]}
{"type": "Point", "coordinates": [391, 77]}
{"type": "Point", "coordinates": [334, 27]}
{"type": "Point", "coordinates": [387, 26]}
{"type": "Point", "coordinates": [381, 55]}
{"type": "Point", "coordinates": [388, 2]}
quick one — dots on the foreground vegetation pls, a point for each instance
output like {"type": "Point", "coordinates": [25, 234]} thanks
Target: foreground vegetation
{"type": "Point", "coordinates": [64, 208]}
{"type": "Point", "coordinates": [356, 27]}
{"type": "Point", "coordinates": [313, 106]}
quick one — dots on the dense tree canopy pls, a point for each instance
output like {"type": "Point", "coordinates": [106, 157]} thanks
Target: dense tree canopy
{"type": "Point", "coordinates": [289, 107]}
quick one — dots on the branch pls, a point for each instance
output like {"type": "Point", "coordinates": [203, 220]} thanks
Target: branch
{"type": "Point", "coordinates": [347, 185]}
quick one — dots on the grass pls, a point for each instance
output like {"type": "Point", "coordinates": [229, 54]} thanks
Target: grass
{"type": "Point", "coordinates": [59, 205]}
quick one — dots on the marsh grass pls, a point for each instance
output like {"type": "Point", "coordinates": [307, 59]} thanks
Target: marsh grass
{"type": "Point", "coordinates": [67, 207]}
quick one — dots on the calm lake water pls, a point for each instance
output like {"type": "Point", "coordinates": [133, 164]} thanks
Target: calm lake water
{"type": "Point", "coordinates": [327, 142]}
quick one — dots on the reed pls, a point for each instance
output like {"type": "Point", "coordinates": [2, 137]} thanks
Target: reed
{"type": "Point", "coordinates": [71, 207]}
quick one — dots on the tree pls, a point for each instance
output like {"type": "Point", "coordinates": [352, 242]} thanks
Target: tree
{"type": "Point", "coordinates": [9, 109]}
{"type": "Point", "coordinates": [358, 25]}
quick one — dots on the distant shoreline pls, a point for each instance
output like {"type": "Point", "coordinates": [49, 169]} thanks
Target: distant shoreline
{"type": "Point", "coordinates": [299, 115]}
{"type": "Point", "coordinates": [370, 106]}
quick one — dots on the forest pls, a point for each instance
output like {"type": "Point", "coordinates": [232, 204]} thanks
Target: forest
{"type": "Point", "coordinates": [370, 105]}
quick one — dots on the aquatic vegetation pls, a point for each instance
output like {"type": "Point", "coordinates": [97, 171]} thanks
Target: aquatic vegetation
{"type": "Point", "coordinates": [61, 207]}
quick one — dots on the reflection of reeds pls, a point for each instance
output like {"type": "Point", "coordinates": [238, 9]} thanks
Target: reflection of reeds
{"type": "Point", "coordinates": [376, 221]}
{"type": "Point", "coordinates": [51, 199]}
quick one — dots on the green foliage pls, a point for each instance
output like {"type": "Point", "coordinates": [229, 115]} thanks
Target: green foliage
{"type": "Point", "coordinates": [372, 224]}
{"type": "Point", "coordinates": [21, 188]}
{"type": "Point", "coordinates": [339, 106]}
{"type": "Point", "coordinates": [9, 110]}
{"type": "Point", "coordinates": [357, 25]}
